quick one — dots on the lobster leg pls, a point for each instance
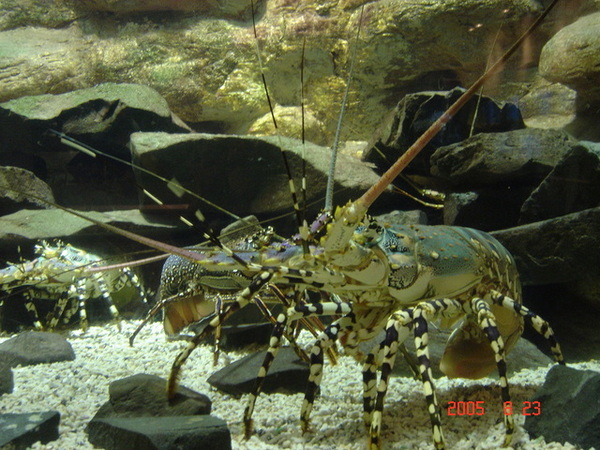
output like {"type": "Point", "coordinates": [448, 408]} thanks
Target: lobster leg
{"type": "Point", "coordinates": [245, 297]}
{"type": "Point", "coordinates": [486, 321]}
{"type": "Point", "coordinates": [536, 322]}
{"type": "Point", "coordinates": [397, 330]}
{"type": "Point", "coordinates": [281, 325]}
{"type": "Point", "coordinates": [32, 310]}
{"type": "Point", "coordinates": [54, 317]}
{"type": "Point", "coordinates": [324, 341]}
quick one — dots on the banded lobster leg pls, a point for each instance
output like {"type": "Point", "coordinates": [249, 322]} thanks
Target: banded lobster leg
{"type": "Point", "coordinates": [416, 319]}
{"type": "Point", "coordinates": [324, 341]}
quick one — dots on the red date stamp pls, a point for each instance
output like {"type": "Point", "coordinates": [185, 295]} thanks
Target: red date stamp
{"type": "Point", "coordinates": [477, 408]}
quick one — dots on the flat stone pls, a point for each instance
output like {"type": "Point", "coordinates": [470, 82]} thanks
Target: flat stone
{"type": "Point", "coordinates": [525, 156]}
{"type": "Point", "coordinates": [569, 410]}
{"type": "Point", "coordinates": [288, 374]}
{"type": "Point", "coordinates": [144, 395]}
{"type": "Point", "coordinates": [36, 347]}
{"type": "Point", "coordinates": [28, 190]}
{"type": "Point", "coordinates": [20, 431]}
{"type": "Point", "coordinates": [160, 433]}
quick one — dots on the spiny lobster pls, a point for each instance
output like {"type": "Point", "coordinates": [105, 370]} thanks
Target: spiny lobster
{"type": "Point", "coordinates": [61, 274]}
{"type": "Point", "coordinates": [391, 279]}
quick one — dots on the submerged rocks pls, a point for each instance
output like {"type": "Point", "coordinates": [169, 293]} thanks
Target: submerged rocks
{"type": "Point", "coordinates": [245, 173]}
{"type": "Point", "coordinates": [36, 347]}
{"type": "Point", "coordinates": [20, 431]}
{"type": "Point", "coordinates": [416, 112]}
{"type": "Point", "coordinates": [571, 57]}
{"type": "Point", "coordinates": [160, 433]}
{"type": "Point", "coordinates": [288, 374]}
{"type": "Point", "coordinates": [139, 415]}
{"type": "Point", "coordinates": [568, 408]}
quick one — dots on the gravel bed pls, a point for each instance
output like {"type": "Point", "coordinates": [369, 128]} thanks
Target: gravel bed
{"type": "Point", "coordinates": [78, 388]}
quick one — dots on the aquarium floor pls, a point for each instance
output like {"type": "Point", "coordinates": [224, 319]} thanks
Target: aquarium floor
{"type": "Point", "coordinates": [78, 388]}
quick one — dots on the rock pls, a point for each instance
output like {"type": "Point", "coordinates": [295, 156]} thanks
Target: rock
{"type": "Point", "coordinates": [50, 223]}
{"type": "Point", "coordinates": [112, 108]}
{"type": "Point", "coordinates": [524, 355]}
{"type": "Point", "coordinates": [222, 168]}
{"type": "Point", "coordinates": [414, 217]}
{"type": "Point", "coordinates": [548, 105]}
{"type": "Point", "coordinates": [143, 395]}
{"type": "Point", "coordinates": [572, 185]}
{"type": "Point", "coordinates": [571, 57]}
{"type": "Point", "coordinates": [20, 431]}
{"type": "Point", "coordinates": [7, 382]}
{"type": "Point", "coordinates": [487, 209]}
{"type": "Point", "coordinates": [524, 156]}
{"type": "Point", "coordinates": [40, 13]}
{"type": "Point", "coordinates": [289, 123]}
{"type": "Point", "coordinates": [160, 433]}
{"type": "Point", "coordinates": [103, 117]}
{"type": "Point", "coordinates": [40, 60]}
{"type": "Point", "coordinates": [36, 347]}
{"type": "Point", "coordinates": [569, 408]}
{"type": "Point", "coordinates": [29, 191]}
{"type": "Point", "coordinates": [555, 250]}
{"type": "Point", "coordinates": [237, 9]}
{"type": "Point", "coordinates": [207, 69]}
{"type": "Point", "coordinates": [288, 374]}
{"type": "Point", "coordinates": [416, 112]}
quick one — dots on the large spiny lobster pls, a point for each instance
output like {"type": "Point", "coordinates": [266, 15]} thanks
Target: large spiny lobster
{"type": "Point", "coordinates": [392, 279]}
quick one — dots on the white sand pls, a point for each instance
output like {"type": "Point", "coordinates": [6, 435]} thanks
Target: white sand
{"type": "Point", "coordinates": [78, 388]}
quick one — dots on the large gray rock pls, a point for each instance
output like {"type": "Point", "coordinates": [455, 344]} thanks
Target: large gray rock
{"type": "Point", "coordinates": [569, 410]}
{"type": "Point", "coordinates": [143, 395]}
{"type": "Point", "coordinates": [35, 347]}
{"type": "Point", "coordinates": [245, 174]}
{"type": "Point", "coordinates": [288, 374]}
{"type": "Point", "coordinates": [571, 57]}
{"type": "Point", "coordinates": [21, 431]}
{"type": "Point", "coordinates": [160, 433]}
{"type": "Point", "coordinates": [416, 112]}
{"type": "Point", "coordinates": [525, 156]}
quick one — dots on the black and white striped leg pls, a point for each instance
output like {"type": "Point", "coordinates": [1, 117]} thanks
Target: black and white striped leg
{"type": "Point", "coordinates": [57, 312]}
{"type": "Point", "coordinates": [487, 323]}
{"type": "Point", "coordinates": [32, 310]}
{"type": "Point", "coordinates": [396, 331]}
{"type": "Point", "coordinates": [537, 322]}
{"type": "Point", "coordinates": [135, 282]}
{"type": "Point", "coordinates": [242, 300]}
{"type": "Point", "coordinates": [218, 331]}
{"type": "Point", "coordinates": [281, 325]}
{"type": "Point", "coordinates": [324, 341]}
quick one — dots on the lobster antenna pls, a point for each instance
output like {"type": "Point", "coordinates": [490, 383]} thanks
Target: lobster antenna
{"type": "Point", "coordinates": [336, 140]}
{"type": "Point", "coordinates": [297, 209]}
{"type": "Point", "coordinates": [363, 203]}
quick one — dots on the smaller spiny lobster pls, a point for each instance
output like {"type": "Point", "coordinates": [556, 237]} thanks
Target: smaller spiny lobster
{"type": "Point", "coordinates": [62, 274]}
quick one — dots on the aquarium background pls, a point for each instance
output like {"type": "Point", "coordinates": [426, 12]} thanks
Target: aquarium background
{"type": "Point", "coordinates": [176, 88]}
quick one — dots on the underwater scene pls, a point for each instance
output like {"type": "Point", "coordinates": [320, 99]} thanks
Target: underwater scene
{"type": "Point", "coordinates": [265, 224]}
